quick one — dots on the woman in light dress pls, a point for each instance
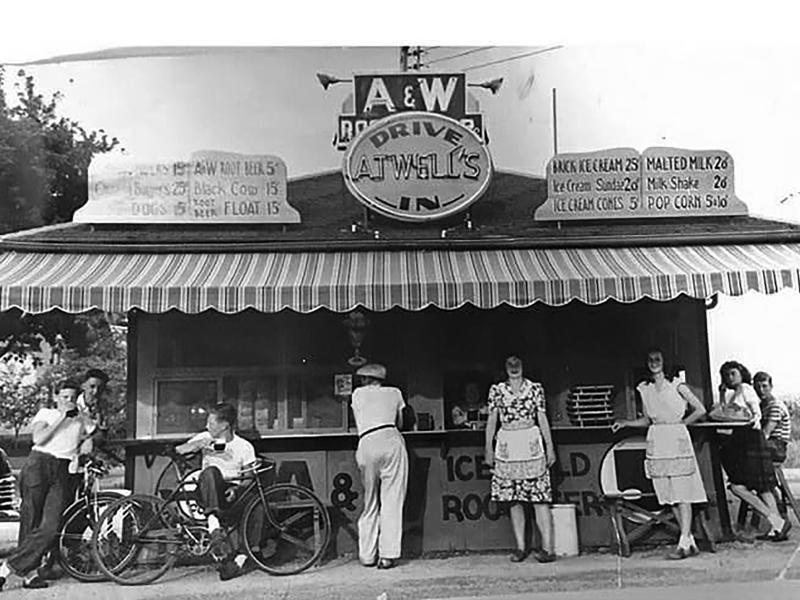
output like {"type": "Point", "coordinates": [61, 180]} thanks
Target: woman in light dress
{"type": "Point", "coordinates": [522, 456]}
{"type": "Point", "coordinates": [670, 460]}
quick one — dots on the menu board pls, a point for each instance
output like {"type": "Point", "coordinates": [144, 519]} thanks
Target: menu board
{"type": "Point", "coordinates": [620, 183]}
{"type": "Point", "coordinates": [210, 187]}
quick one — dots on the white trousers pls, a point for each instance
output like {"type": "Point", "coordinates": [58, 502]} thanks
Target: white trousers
{"type": "Point", "coordinates": [383, 462]}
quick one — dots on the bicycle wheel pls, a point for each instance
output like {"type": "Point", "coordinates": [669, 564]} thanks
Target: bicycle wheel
{"type": "Point", "coordinates": [287, 531]}
{"type": "Point", "coordinates": [173, 473]}
{"type": "Point", "coordinates": [135, 542]}
{"type": "Point", "coordinates": [74, 542]}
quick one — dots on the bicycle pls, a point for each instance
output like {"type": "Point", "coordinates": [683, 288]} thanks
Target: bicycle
{"type": "Point", "coordinates": [73, 543]}
{"type": "Point", "coordinates": [283, 527]}
{"type": "Point", "coordinates": [174, 471]}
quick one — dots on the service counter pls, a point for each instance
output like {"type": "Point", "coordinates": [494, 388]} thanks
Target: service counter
{"type": "Point", "coordinates": [448, 505]}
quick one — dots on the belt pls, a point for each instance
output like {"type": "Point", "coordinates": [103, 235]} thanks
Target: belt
{"type": "Point", "coordinates": [374, 429]}
{"type": "Point", "coordinates": [47, 455]}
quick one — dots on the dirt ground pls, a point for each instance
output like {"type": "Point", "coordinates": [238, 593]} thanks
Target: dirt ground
{"type": "Point", "coordinates": [472, 575]}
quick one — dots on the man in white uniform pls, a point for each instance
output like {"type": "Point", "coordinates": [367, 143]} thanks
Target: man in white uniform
{"type": "Point", "coordinates": [225, 455]}
{"type": "Point", "coordinates": [383, 462]}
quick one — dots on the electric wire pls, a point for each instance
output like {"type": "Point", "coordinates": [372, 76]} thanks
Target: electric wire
{"type": "Point", "coordinates": [510, 58]}
{"type": "Point", "coordinates": [460, 54]}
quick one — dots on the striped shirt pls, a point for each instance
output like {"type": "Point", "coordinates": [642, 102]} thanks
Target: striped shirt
{"type": "Point", "coordinates": [776, 410]}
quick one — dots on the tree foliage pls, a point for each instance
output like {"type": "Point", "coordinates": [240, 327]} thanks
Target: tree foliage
{"type": "Point", "coordinates": [22, 391]}
{"type": "Point", "coordinates": [44, 158]}
{"type": "Point", "coordinates": [104, 348]}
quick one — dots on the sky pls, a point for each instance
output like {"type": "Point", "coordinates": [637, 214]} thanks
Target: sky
{"type": "Point", "coordinates": [698, 75]}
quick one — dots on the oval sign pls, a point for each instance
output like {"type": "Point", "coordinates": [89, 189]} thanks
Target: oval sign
{"type": "Point", "coordinates": [417, 167]}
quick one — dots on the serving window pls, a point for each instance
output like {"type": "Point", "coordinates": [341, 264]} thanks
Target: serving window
{"type": "Point", "coordinates": [268, 402]}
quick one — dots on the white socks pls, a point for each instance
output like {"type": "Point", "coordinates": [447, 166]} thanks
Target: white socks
{"type": "Point", "coordinates": [776, 521]}
{"type": "Point", "coordinates": [213, 523]}
{"type": "Point", "coordinates": [4, 570]}
{"type": "Point", "coordinates": [239, 560]}
{"type": "Point", "coordinates": [686, 541]}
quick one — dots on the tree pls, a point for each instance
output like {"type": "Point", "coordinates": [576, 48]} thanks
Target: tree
{"type": "Point", "coordinates": [21, 393]}
{"type": "Point", "coordinates": [106, 349]}
{"type": "Point", "coordinates": [44, 158]}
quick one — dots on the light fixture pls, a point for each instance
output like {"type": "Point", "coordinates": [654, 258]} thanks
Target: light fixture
{"type": "Point", "coordinates": [326, 80]}
{"type": "Point", "coordinates": [493, 85]}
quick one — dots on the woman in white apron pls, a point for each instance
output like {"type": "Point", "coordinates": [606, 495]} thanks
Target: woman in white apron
{"type": "Point", "coordinates": [670, 460]}
{"type": "Point", "coordinates": [522, 456]}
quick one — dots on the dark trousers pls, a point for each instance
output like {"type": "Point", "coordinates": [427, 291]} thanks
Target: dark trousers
{"type": "Point", "coordinates": [43, 483]}
{"type": "Point", "coordinates": [211, 489]}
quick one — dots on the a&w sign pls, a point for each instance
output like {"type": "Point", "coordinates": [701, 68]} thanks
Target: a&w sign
{"type": "Point", "coordinates": [378, 96]}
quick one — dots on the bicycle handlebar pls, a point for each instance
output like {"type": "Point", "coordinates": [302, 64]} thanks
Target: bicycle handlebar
{"type": "Point", "coordinates": [260, 465]}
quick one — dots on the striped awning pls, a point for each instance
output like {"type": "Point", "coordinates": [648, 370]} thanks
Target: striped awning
{"type": "Point", "coordinates": [380, 280]}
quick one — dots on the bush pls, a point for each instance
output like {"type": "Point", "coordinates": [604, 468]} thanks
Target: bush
{"type": "Point", "coordinates": [793, 449]}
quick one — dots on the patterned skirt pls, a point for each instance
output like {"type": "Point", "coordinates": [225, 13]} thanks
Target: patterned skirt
{"type": "Point", "coordinates": [747, 460]}
{"type": "Point", "coordinates": [522, 490]}
{"type": "Point", "coordinates": [520, 472]}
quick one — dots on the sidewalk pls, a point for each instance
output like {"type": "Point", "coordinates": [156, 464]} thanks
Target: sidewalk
{"type": "Point", "coordinates": [460, 577]}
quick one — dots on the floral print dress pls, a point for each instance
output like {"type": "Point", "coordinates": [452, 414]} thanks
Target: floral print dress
{"type": "Point", "coordinates": [520, 471]}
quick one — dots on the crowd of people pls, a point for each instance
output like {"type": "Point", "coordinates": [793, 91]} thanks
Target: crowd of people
{"type": "Point", "coordinates": [518, 447]}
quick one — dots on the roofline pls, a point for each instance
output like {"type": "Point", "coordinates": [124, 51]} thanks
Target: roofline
{"type": "Point", "coordinates": [43, 229]}
{"type": "Point", "coordinates": [365, 243]}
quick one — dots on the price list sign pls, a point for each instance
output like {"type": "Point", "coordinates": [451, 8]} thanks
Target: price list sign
{"type": "Point", "coordinates": [619, 183]}
{"type": "Point", "coordinates": [210, 187]}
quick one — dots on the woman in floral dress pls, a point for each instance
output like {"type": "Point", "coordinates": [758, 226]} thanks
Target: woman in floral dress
{"type": "Point", "coordinates": [670, 461]}
{"type": "Point", "coordinates": [522, 456]}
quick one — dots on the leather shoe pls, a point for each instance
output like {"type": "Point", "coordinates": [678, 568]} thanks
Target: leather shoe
{"type": "Point", "coordinates": [677, 554]}
{"type": "Point", "coordinates": [693, 550]}
{"type": "Point", "coordinates": [2, 583]}
{"type": "Point", "coordinates": [545, 557]}
{"type": "Point", "coordinates": [37, 583]}
{"type": "Point", "coordinates": [387, 563]}
{"type": "Point", "coordinates": [518, 556]}
{"type": "Point", "coordinates": [219, 545]}
{"type": "Point", "coordinates": [369, 564]}
{"type": "Point", "coordinates": [777, 536]}
{"type": "Point", "coordinates": [228, 569]}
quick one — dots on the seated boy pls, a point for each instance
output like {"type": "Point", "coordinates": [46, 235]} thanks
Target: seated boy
{"type": "Point", "coordinates": [225, 455]}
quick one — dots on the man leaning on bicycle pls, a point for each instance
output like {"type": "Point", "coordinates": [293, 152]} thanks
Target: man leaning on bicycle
{"type": "Point", "coordinates": [225, 456]}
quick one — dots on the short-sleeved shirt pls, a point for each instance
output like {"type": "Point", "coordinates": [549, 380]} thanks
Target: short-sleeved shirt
{"type": "Point", "coordinates": [521, 406]}
{"type": "Point", "coordinates": [746, 398]}
{"type": "Point", "coordinates": [777, 411]}
{"type": "Point", "coordinates": [374, 406]}
{"type": "Point", "coordinates": [237, 454]}
{"type": "Point", "coordinates": [66, 440]}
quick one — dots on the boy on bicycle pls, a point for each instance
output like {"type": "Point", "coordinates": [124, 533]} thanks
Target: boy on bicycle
{"type": "Point", "coordinates": [225, 455]}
